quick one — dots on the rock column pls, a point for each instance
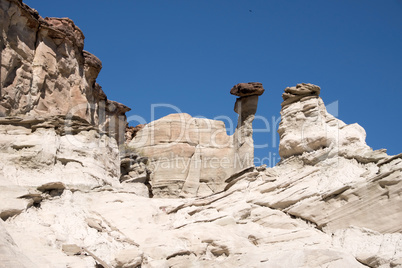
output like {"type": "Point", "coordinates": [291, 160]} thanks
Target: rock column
{"type": "Point", "coordinates": [245, 107]}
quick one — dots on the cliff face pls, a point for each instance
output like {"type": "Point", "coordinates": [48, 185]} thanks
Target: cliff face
{"type": "Point", "coordinates": [46, 72]}
{"type": "Point", "coordinates": [331, 201]}
{"type": "Point", "coordinates": [56, 123]}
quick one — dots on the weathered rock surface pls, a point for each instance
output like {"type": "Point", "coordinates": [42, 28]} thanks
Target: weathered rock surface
{"type": "Point", "coordinates": [306, 126]}
{"type": "Point", "coordinates": [243, 143]}
{"type": "Point", "coordinates": [56, 125]}
{"type": "Point", "coordinates": [342, 176]}
{"type": "Point", "coordinates": [331, 202]}
{"type": "Point", "coordinates": [10, 254]}
{"type": "Point", "coordinates": [56, 151]}
{"type": "Point", "coordinates": [187, 156]}
{"type": "Point", "coordinates": [45, 71]}
{"type": "Point", "coordinates": [247, 89]}
{"type": "Point", "coordinates": [228, 229]}
{"type": "Point", "coordinates": [194, 156]}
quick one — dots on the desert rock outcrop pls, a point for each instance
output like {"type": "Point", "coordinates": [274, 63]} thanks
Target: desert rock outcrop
{"type": "Point", "coordinates": [46, 72]}
{"type": "Point", "coordinates": [188, 156]}
{"type": "Point", "coordinates": [194, 156]}
{"type": "Point", "coordinates": [70, 196]}
{"type": "Point", "coordinates": [342, 174]}
{"type": "Point", "coordinates": [56, 123]}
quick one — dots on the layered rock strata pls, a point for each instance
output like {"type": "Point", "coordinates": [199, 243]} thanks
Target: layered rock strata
{"type": "Point", "coordinates": [194, 156]}
{"type": "Point", "coordinates": [187, 156]}
{"type": "Point", "coordinates": [306, 126]}
{"type": "Point", "coordinates": [331, 202]}
{"type": "Point", "coordinates": [56, 123]}
{"type": "Point", "coordinates": [45, 71]}
{"type": "Point", "coordinates": [341, 174]}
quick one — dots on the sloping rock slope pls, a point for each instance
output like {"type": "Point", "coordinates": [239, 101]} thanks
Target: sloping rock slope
{"type": "Point", "coordinates": [331, 201]}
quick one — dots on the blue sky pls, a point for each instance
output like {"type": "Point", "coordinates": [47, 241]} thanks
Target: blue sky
{"type": "Point", "coordinates": [190, 53]}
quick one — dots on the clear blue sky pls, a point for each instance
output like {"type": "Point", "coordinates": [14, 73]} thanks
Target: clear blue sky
{"type": "Point", "coordinates": [190, 53]}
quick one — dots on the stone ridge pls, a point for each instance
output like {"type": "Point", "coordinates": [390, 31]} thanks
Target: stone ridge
{"type": "Point", "coordinates": [63, 125]}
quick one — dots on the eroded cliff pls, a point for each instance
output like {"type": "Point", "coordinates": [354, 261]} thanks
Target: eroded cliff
{"type": "Point", "coordinates": [56, 123]}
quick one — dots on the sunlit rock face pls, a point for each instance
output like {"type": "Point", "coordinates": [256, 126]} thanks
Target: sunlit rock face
{"type": "Point", "coordinates": [81, 159]}
{"type": "Point", "coordinates": [56, 123]}
{"type": "Point", "coordinates": [336, 171]}
{"type": "Point", "coordinates": [243, 143]}
{"type": "Point", "coordinates": [195, 156]}
{"type": "Point", "coordinates": [331, 201]}
{"type": "Point", "coordinates": [188, 156]}
{"type": "Point", "coordinates": [306, 126]}
{"type": "Point", "coordinates": [46, 72]}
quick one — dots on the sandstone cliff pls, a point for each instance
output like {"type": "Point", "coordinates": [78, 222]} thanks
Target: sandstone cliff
{"type": "Point", "coordinates": [70, 198]}
{"type": "Point", "coordinates": [45, 71]}
{"type": "Point", "coordinates": [56, 123]}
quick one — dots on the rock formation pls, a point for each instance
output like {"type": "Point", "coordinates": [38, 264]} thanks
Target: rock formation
{"type": "Point", "coordinates": [70, 196]}
{"type": "Point", "coordinates": [45, 71]}
{"type": "Point", "coordinates": [194, 156]}
{"type": "Point", "coordinates": [56, 123]}
{"type": "Point", "coordinates": [245, 107]}
{"type": "Point", "coordinates": [306, 127]}
{"type": "Point", "coordinates": [342, 174]}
